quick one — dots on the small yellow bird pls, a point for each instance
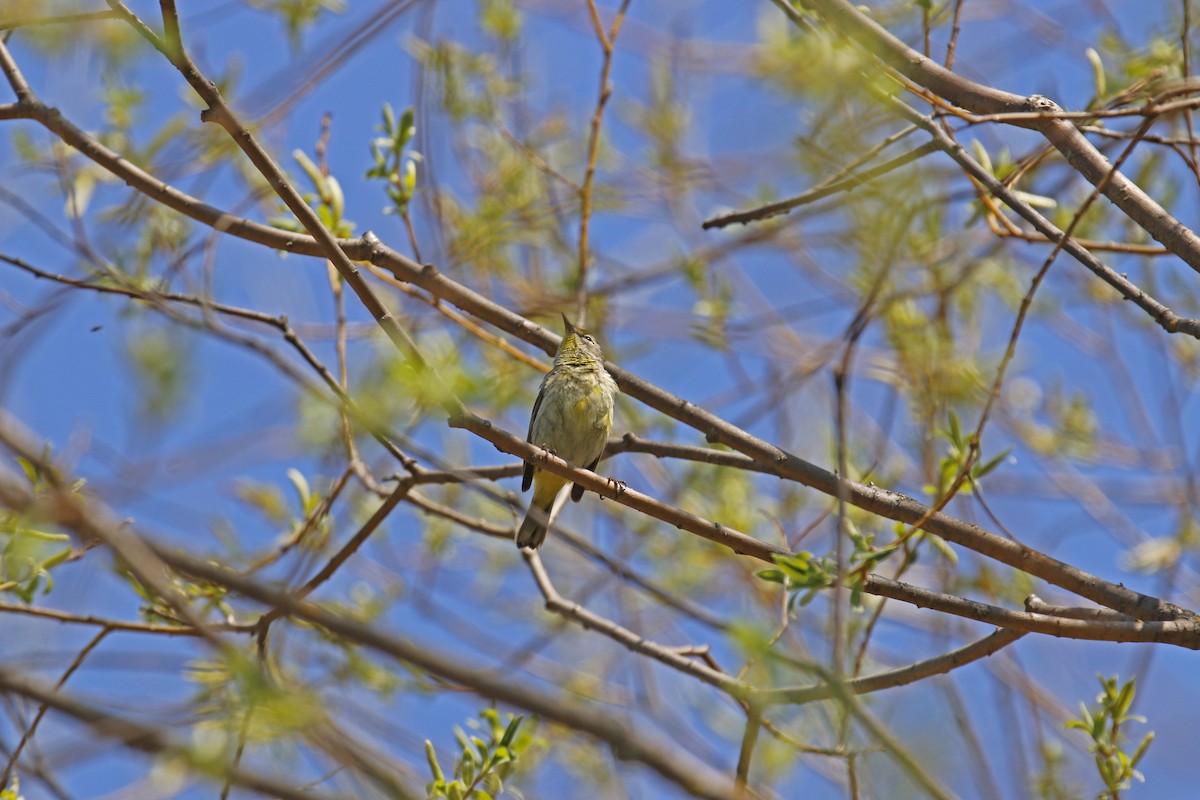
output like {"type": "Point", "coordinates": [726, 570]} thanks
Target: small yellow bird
{"type": "Point", "coordinates": [571, 418]}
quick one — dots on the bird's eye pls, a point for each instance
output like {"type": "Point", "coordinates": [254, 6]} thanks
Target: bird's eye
{"type": "Point", "coordinates": [588, 336]}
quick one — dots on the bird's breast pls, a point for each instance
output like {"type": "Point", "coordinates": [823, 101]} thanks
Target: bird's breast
{"type": "Point", "coordinates": [575, 416]}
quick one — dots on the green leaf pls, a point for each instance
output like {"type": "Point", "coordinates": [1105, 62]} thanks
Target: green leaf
{"type": "Point", "coordinates": [310, 169]}
{"type": "Point", "coordinates": [772, 575]}
{"type": "Point", "coordinates": [955, 429]}
{"type": "Point", "coordinates": [337, 199]}
{"type": "Point", "coordinates": [942, 546]}
{"type": "Point", "coordinates": [434, 766]}
{"type": "Point", "coordinates": [406, 129]}
{"type": "Point", "coordinates": [981, 155]}
{"type": "Point", "coordinates": [511, 731]}
{"type": "Point", "coordinates": [32, 473]}
{"type": "Point", "coordinates": [985, 468]}
{"type": "Point", "coordinates": [1141, 749]}
{"type": "Point", "coordinates": [856, 595]}
{"type": "Point", "coordinates": [1124, 700]}
{"type": "Point", "coordinates": [1099, 80]}
{"type": "Point", "coordinates": [301, 483]}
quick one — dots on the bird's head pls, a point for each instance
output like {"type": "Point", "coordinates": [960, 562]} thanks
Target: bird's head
{"type": "Point", "coordinates": [578, 346]}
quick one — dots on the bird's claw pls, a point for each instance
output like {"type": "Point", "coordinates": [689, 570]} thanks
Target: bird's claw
{"type": "Point", "coordinates": [618, 485]}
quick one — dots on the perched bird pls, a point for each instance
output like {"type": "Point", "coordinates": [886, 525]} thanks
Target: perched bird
{"type": "Point", "coordinates": [571, 418]}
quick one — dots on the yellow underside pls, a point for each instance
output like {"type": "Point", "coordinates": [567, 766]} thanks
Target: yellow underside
{"type": "Point", "coordinates": [546, 486]}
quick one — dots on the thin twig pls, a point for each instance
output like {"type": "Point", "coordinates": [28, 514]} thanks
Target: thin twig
{"type": "Point", "coordinates": [607, 42]}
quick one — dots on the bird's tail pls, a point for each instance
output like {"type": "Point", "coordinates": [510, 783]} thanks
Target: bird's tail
{"type": "Point", "coordinates": [537, 519]}
{"type": "Point", "coordinates": [533, 530]}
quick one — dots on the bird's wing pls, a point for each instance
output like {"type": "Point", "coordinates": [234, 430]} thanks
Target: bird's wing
{"type": "Point", "coordinates": [527, 478]}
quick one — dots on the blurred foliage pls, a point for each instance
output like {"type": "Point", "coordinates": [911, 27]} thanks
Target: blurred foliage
{"type": "Point", "coordinates": [240, 700]}
{"type": "Point", "coordinates": [163, 368]}
{"type": "Point", "coordinates": [306, 528]}
{"type": "Point", "coordinates": [1103, 724]}
{"type": "Point", "coordinates": [28, 552]}
{"type": "Point", "coordinates": [299, 15]}
{"type": "Point", "coordinates": [13, 790]}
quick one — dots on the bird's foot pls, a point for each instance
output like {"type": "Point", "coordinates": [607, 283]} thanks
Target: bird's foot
{"type": "Point", "coordinates": [618, 485]}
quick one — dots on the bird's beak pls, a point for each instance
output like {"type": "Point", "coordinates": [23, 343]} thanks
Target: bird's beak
{"type": "Point", "coordinates": [567, 324]}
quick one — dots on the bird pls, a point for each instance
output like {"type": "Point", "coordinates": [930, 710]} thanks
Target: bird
{"type": "Point", "coordinates": [572, 417]}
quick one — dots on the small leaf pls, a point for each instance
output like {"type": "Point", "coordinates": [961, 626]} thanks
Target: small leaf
{"type": "Point", "coordinates": [1098, 78]}
{"type": "Point", "coordinates": [1141, 749]}
{"type": "Point", "coordinates": [434, 767]}
{"type": "Point", "coordinates": [410, 176]}
{"type": "Point", "coordinates": [511, 731]}
{"type": "Point", "coordinates": [856, 595]}
{"type": "Point", "coordinates": [337, 199]}
{"type": "Point", "coordinates": [301, 483]}
{"type": "Point", "coordinates": [1035, 200]}
{"type": "Point", "coordinates": [943, 547]}
{"type": "Point", "coordinates": [406, 129]}
{"type": "Point", "coordinates": [955, 429]}
{"type": "Point", "coordinates": [1124, 700]}
{"type": "Point", "coordinates": [772, 575]}
{"type": "Point", "coordinates": [985, 468]}
{"type": "Point", "coordinates": [310, 169]}
{"type": "Point", "coordinates": [31, 472]}
{"type": "Point", "coordinates": [981, 155]}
